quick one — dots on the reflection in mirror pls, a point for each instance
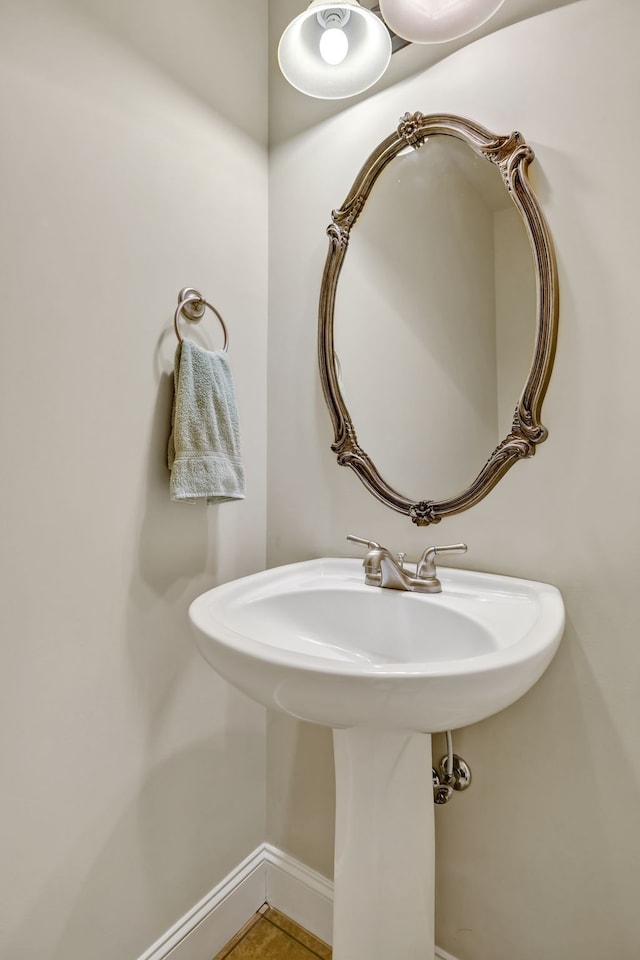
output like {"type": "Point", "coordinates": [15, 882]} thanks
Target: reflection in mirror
{"type": "Point", "coordinates": [444, 319]}
{"type": "Point", "coordinates": [435, 317]}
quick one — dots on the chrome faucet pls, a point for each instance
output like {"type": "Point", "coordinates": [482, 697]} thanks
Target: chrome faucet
{"type": "Point", "coordinates": [383, 570]}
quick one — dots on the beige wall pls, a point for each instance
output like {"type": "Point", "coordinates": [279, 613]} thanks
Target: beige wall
{"type": "Point", "coordinates": [542, 857]}
{"type": "Point", "coordinates": [133, 163]}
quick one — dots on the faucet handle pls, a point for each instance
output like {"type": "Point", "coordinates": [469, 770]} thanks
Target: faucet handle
{"type": "Point", "coordinates": [371, 544]}
{"type": "Point", "coordinates": [452, 548]}
{"type": "Point", "coordinates": [427, 563]}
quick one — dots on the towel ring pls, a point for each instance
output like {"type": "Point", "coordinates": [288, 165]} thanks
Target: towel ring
{"type": "Point", "coordinates": [192, 306]}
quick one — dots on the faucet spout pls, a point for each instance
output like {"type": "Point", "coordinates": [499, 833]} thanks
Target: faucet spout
{"type": "Point", "coordinates": [383, 570]}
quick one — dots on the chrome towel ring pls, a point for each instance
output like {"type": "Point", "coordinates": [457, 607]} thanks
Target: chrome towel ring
{"type": "Point", "coordinates": [192, 306]}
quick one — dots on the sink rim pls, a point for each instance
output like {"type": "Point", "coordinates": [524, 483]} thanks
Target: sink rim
{"type": "Point", "coordinates": [542, 635]}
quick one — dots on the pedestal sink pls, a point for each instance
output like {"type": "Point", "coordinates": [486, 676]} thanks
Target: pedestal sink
{"type": "Point", "coordinates": [385, 669]}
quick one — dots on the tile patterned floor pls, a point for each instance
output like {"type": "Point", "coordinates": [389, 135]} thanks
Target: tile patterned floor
{"type": "Point", "coordinates": [270, 935]}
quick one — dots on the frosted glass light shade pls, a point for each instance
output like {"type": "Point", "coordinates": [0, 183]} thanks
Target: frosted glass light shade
{"type": "Point", "coordinates": [368, 50]}
{"type": "Point", "coordinates": [435, 21]}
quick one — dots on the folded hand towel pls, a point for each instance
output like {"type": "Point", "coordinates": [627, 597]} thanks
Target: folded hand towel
{"type": "Point", "coordinates": [204, 445]}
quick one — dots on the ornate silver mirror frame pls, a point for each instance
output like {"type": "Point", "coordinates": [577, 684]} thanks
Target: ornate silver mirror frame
{"type": "Point", "coordinates": [512, 156]}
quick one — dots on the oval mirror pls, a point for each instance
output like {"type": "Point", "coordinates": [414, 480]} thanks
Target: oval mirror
{"type": "Point", "coordinates": [436, 347]}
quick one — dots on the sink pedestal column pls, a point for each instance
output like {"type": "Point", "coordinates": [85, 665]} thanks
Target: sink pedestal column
{"type": "Point", "coordinates": [384, 884]}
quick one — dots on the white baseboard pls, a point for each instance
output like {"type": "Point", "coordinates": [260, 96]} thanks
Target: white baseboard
{"type": "Point", "coordinates": [300, 893]}
{"type": "Point", "coordinates": [443, 955]}
{"type": "Point", "coordinates": [204, 930]}
{"type": "Point", "coordinates": [268, 875]}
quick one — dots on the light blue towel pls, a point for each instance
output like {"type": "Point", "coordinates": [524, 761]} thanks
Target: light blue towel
{"type": "Point", "coordinates": [204, 445]}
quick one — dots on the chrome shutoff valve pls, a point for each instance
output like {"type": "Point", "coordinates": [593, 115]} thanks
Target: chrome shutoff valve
{"type": "Point", "coordinates": [452, 774]}
{"type": "Point", "coordinates": [460, 776]}
{"type": "Point", "coordinates": [442, 792]}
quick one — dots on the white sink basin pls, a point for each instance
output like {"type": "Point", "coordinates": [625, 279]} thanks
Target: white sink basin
{"type": "Point", "coordinates": [313, 641]}
{"type": "Point", "coordinates": [385, 669]}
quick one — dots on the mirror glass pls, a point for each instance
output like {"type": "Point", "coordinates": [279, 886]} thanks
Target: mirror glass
{"type": "Point", "coordinates": [438, 316]}
{"type": "Point", "coordinates": [434, 320]}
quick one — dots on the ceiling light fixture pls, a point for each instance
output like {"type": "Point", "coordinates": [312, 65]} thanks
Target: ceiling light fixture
{"type": "Point", "coordinates": [436, 21]}
{"type": "Point", "coordinates": [334, 50]}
